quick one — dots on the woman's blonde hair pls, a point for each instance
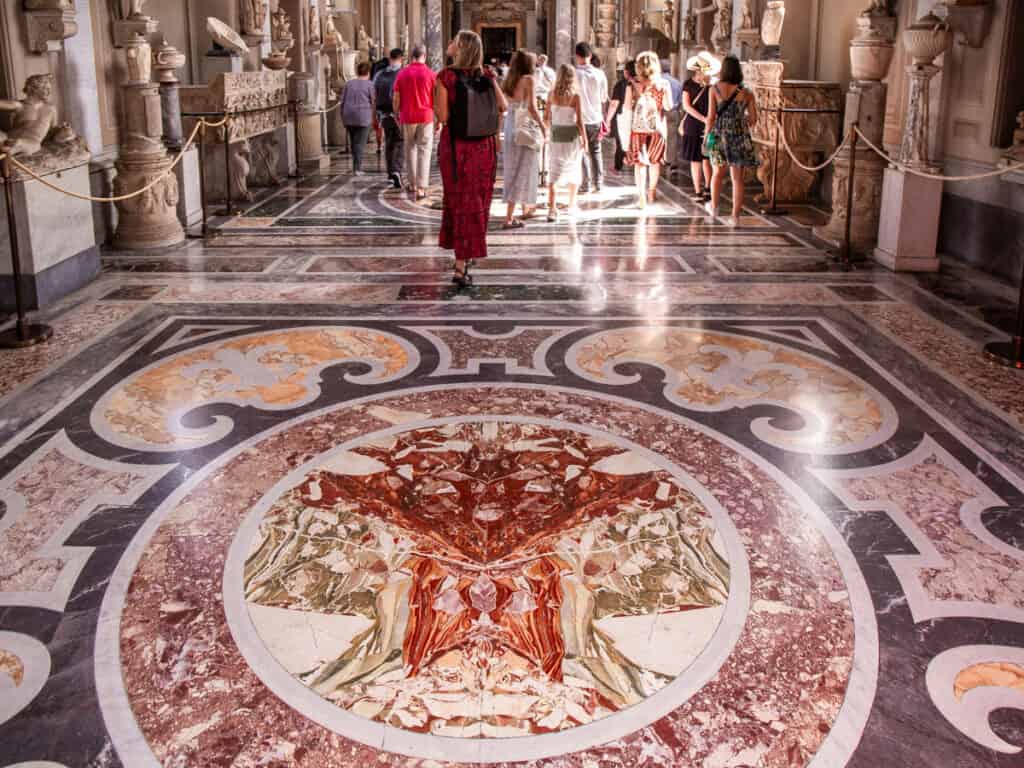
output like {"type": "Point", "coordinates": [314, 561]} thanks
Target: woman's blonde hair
{"type": "Point", "coordinates": [522, 64]}
{"type": "Point", "coordinates": [648, 65]}
{"type": "Point", "coordinates": [565, 84]}
{"type": "Point", "coordinates": [469, 51]}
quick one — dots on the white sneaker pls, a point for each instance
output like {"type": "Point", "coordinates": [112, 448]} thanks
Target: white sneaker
{"type": "Point", "coordinates": [732, 221]}
{"type": "Point", "coordinates": [712, 211]}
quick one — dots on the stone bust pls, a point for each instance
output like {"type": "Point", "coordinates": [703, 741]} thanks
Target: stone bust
{"type": "Point", "coordinates": [34, 120]}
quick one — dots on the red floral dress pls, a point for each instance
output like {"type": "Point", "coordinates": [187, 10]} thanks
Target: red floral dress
{"type": "Point", "coordinates": [467, 195]}
{"type": "Point", "coordinates": [648, 139]}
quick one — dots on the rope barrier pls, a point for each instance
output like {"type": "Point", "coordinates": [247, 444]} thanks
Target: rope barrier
{"type": "Point", "coordinates": [809, 168]}
{"type": "Point", "coordinates": [128, 196]}
{"type": "Point", "coordinates": [924, 174]}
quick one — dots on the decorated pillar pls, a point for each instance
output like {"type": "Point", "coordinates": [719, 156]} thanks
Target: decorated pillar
{"type": "Point", "coordinates": [434, 39]}
{"type": "Point", "coordinates": [908, 229]}
{"type": "Point", "coordinates": [871, 52]}
{"type": "Point", "coordinates": [166, 61]}
{"type": "Point", "coordinates": [392, 34]}
{"type": "Point", "coordinates": [254, 19]}
{"type": "Point", "coordinates": [149, 220]}
{"type": "Point", "coordinates": [563, 32]}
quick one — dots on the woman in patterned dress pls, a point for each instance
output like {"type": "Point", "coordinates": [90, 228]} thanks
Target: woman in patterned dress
{"type": "Point", "coordinates": [731, 113]}
{"type": "Point", "coordinates": [649, 100]}
{"type": "Point", "coordinates": [468, 168]}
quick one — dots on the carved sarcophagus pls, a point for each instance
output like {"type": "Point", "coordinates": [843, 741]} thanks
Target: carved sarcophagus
{"type": "Point", "coordinates": [808, 135]}
{"type": "Point", "coordinates": [256, 101]}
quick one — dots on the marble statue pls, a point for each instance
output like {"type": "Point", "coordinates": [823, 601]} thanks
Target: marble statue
{"type": "Point", "coordinates": [225, 36]}
{"type": "Point", "coordinates": [721, 32]}
{"type": "Point", "coordinates": [877, 8]}
{"type": "Point", "coordinates": [362, 39]}
{"type": "Point", "coordinates": [280, 25]}
{"type": "Point", "coordinates": [314, 38]}
{"type": "Point", "coordinates": [135, 10]}
{"type": "Point", "coordinates": [254, 16]}
{"type": "Point", "coordinates": [747, 16]}
{"type": "Point", "coordinates": [638, 22]}
{"type": "Point", "coordinates": [332, 39]}
{"type": "Point", "coordinates": [405, 40]}
{"type": "Point", "coordinates": [670, 19]}
{"type": "Point", "coordinates": [689, 27]}
{"type": "Point", "coordinates": [34, 120]}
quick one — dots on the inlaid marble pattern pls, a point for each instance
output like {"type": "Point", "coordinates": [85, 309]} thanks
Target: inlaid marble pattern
{"type": "Point", "coordinates": [654, 493]}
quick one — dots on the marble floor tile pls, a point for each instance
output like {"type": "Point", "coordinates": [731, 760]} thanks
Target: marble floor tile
{"type": "Point", "coordinates": [655, 492]}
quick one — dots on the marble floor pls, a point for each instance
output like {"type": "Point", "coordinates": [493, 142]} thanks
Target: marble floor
{"type": "Point", "coordinates": [654, 492]}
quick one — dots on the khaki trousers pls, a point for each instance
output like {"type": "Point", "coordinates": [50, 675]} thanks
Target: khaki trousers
{"type": "Point", "coordinates": [419, 143]}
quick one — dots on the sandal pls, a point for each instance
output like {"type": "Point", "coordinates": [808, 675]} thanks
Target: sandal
{"type": "Point", "coordinates": [462, 278]}
{"type": "Point", "coordinates": [514, 224]}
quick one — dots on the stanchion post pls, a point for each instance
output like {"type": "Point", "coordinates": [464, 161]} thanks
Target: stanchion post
{"type": "Point", "coordinates": [202, 171]}
{"type": "Point", "coordinates": [845, 252]}
{"type": "Point", "coordinates": [774, 210]}
{"type": "Point", "coordinates": [1011, 353]}
{"type": "Point", "coordinates": [229, 209]}
{"type": "Point", "coordinates": [24, 333]}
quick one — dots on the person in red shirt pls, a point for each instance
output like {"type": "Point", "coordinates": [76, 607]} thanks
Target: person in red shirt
{"type": "Point", "coordinates": [414, 101]}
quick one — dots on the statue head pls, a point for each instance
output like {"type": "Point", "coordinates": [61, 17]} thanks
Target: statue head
{"type": "Point", "coordinates": [39, 87]}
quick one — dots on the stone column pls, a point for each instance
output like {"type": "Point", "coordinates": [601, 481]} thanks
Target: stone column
{"type": "Point", "coordinates": [81, 87]}
{"type": "Point", "coordinates": [166, 60]}
{"type": "Point", "coordinates": [434, 39]}
{"type": "Point", "coordinates": [457, 15]}
{"type": "Point", "coordinates": [149, 220]}
{"type": "Point", "coordinates": [563, 33]}
{"type": "Point", "coordinates": [391, 25]}
{"type": "Point", "coordinates": [871, 52]}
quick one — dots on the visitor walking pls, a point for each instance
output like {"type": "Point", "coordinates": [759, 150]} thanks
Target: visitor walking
{"type": "Point", "coordinates": [649, 101]}
{"type": "Point", "coordinates": [568, 139]}
{"type": "Point", "coordinates": [593, 87]}
{"type": "Point", "coordinates": [467, 102]}
{"type": "Point", "coordinates": [524, 138]}
{"type": "Point", "coordinates": [383, 91]}
{"type": "Point", "coordinates": [357, 113]}
{"type": "Point", "coordinates": [544, 78]}
{"type": "Point", "coordinates": [675, 87]}
{"type": "Point", "coordinates": [615, 105]}
{"type": "Point", "coordinates": [696, 94]}
{"type": "Point", "coordinates": [731, 113]}
{"type": "Point", "coordinates": [414, 102]}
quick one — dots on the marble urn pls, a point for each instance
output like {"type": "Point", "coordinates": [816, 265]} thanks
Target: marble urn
{"type": "Point", "coordinates": [927, 38]}
{"type": "Point", "coordinates": [771, 22]}
{"type": "Point", "coordinates": [871, 50]}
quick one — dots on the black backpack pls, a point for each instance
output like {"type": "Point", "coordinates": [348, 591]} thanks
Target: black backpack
{"type": "Point", "coordinates": [384, 89]}
{"type": "Point", "coordinates": [474, 115]}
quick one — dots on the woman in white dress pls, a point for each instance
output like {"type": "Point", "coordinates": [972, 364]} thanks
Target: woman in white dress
{"type": "Point", "coordinates": [568, 139]}
{"type": "Point", "coordinates": [521, 166]}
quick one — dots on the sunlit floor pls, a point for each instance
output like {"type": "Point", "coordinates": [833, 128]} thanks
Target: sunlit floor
{"type": "Point", "coordinates": [656, 491]}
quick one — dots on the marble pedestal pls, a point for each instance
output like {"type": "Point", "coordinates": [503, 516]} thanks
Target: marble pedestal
{"type": "Point", "coordinates": [310, 141]}
{"type": "Point", "coordinates": [337, 136]}
{"type": "Point", "coordinates": [57, 241]}
{"type": "Point", "coordinates": [218, 65]}
{"type": "Point", "coordinates": [190, 206]}
{"type": "Point", "coordinates": [909, 226]}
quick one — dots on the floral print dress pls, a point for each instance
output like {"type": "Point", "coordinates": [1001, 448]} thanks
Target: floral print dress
{"type": "Point", "coordinates": [733, 145]}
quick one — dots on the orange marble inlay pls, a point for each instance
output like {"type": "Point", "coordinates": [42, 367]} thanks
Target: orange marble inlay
{"type": "Point", "coordinates": [995, 673]}
{"type": "Point", "coordinates": [714, 371]}
{"type": "Point", "coordinates": [12, 666]}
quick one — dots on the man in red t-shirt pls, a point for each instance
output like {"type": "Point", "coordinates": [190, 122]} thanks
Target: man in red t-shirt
{"type": "Point", "coordinates": [414, 101]}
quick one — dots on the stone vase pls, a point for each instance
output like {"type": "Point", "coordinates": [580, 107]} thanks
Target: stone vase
{"type": "Point", "coordinates": [928, 37]}
{"type": "Point", "coordinates": [771, 22]}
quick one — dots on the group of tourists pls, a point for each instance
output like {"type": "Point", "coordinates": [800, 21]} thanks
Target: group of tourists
{"type": "Point", "coordinates": [553, 122]}
{"type": "Point", "coordinates": [399, 102]}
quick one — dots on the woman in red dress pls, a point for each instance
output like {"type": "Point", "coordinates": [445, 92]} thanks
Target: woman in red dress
{"type": "Point", "coordinates": [468, 168]}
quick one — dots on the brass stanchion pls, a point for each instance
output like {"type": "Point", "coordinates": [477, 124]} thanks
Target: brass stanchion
{"type": "Point", "coordinates": [846, 249]}
{"type": "Point", "coordinates": [1011, 353]}
{"type": "Point", "coordinates": [774, 210]}
{"type": "Point", "coordinates": [24, 333]}
{"type": "Point", "coordinates": [202, 172]}
{"type": "Point", "coordinates": [229, 208]}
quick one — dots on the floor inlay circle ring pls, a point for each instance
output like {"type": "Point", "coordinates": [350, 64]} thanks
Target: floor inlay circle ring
{"type": "Point", "coordinates": [457, 580]}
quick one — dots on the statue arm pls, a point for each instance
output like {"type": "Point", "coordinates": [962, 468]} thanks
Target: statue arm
{"type": "Point", "coordinates": [8, 105]}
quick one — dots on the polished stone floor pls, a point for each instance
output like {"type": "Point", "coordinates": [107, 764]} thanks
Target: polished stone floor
{"type": "Point", "coordinates": [654, 492]}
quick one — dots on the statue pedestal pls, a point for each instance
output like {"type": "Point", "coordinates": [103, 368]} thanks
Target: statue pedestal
{"type": "Point", "coordinates": [57, 241]}
{"type": "Point", "coordinates": [190, 204]}
{"type": "Point", "coordinates": [219, 65]}
{"type": "Point", "coordinates": [909, 228]}
{"type": "Point", "coordinates": [125, 30]}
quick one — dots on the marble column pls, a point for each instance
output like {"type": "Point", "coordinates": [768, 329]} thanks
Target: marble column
{"type": "Point", "coordinates": [434, 39]}
{"type": "Point", "coordinates": [563, 33]}
{"type": "Point", "coordinates": [166, 61]}
{"type": "Point", "coordinates": [392, 35]}
{"type": "Point", "coordinates": [149, 220]}
{"type": "Point", "coordinates": [81, 85]}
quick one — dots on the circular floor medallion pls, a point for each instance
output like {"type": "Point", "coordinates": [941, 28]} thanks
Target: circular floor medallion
{"type": "Point", "coordinates": [482, 579]}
